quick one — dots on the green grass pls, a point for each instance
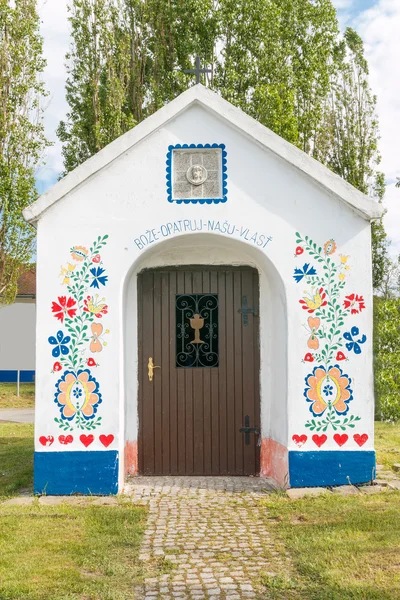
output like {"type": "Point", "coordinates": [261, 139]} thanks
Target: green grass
{"type": "Point", "coordinates": [9, 398]}
{"type": "Point", "coordinates": [16, 457]}
{"type": "Point", "coordinates": [64, 552]}
{"type": "Point", "coordinates": [70, 552]}
{"type": "Point", "coordinates": [387, 444]}
{"type": "Point", "coordinates": [341, 548]}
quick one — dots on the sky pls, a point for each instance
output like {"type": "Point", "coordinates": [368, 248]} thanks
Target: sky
{"type": "Point", "coordinates": [377, 22]}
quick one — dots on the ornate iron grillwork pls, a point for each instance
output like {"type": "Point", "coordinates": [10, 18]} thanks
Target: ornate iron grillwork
{"type": "Point", "coordinates": [197, 330]}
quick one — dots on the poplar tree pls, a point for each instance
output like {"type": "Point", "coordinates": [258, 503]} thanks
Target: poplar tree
{"type": "Point", "coordinates": [281, 61]}
{"type": "Point", "coordinates": [22, 139]}
{"type": "Point", "coordinates": [349, 135]}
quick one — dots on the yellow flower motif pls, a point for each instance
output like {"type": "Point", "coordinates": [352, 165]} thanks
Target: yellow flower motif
{"type": "Point", "coordinates": [342, 276]}
{"type": "Point", "coordinates": [343, 258]}
{"type": "Point", "coordinates": [65, 272]}
{"type": "Point", "coordinates": [347, 268]}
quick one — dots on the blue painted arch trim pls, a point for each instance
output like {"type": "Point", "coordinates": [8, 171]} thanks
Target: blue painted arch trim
{"type": "Point", "coordinates": [224, 197]}
{"type": "Point", "coordinates": [64, 473]}
{"type": "Point", "coordinates": [325, 468]}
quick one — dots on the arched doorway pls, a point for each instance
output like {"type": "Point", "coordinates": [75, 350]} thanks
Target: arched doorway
{"type": "Point", "coordinates": [198, 365]}
{"type": "Point", "coordinates": [213, 250]}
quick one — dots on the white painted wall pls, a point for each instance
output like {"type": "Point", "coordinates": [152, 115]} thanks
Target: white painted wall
{"type": "Point", "coordinates": [265, 195]}
{"type": "Point", "coordinates": [17, 336]}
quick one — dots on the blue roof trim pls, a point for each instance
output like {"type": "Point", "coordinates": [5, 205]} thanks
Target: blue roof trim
{"type": "Point", "coordinates": [198, 200]}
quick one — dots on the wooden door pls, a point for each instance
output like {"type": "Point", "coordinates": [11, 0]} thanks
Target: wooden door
{"type": "Point", "coordinates": [190, 415]}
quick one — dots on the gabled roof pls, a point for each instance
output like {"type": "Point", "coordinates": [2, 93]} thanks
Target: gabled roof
{"type": "Point", "coordinates": [365, 206]}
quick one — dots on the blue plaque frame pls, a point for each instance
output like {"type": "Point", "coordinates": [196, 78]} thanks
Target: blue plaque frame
{"type": "Point", "coordinates": [224, 197]}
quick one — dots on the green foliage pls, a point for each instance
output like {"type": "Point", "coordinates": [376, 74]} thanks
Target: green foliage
{"type": "Point", "coordinates": [22, 139]}
{"type": "Point", "coordinates": [281, 61]}
{"type": "Point", "coordinates": [387, 358]}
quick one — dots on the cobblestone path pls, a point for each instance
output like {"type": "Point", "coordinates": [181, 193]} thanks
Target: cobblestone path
{"type": "Point", "coordinates": [213, 533]}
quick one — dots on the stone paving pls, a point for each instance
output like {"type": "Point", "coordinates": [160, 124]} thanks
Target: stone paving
{"type": "Point", "coordinates": [212, 534]}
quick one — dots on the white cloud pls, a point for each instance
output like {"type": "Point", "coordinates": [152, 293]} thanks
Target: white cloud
{"type": "Point", "coordinates": [55, 32]}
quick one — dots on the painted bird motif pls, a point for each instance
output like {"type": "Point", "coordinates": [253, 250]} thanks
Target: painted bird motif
{"type": "Point", "coordinates": [313, 301]}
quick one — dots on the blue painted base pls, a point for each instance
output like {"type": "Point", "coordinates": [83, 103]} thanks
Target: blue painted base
{"type": "Point", "coordinates": [65, 473]}
{"type": "Point", "coordinates": [311, 469]}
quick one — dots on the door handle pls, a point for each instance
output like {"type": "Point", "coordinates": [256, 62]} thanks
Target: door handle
{"type": "Point", "coordinates": [151, 366]}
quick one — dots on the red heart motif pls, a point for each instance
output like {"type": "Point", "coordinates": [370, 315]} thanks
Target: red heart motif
{"type": "Point", "coordinates": [319, 440]}
{"type": "Point", "coordinates": [86, 439]}
{"type": "Point", "coordinates": [65, 439]}
{"type": "Point", "coordinates": [106, 440]}
{"type": "Point", "coordinates": [299, 250]}
{"type": "Point", "coordinates": [46, 441]}
{"type": "Point", "coordinates": [96, 259]}
{"type": "Point", "coordinates": [309, 357]}
{"type": "Point", "coordinates": [360, 439]}
{"type": "Point", "coordinates": [340, 439]}
{"type": "Point", "coordinates": [340, 356]}
{"type": "Point", "coordinates": [300, 440]}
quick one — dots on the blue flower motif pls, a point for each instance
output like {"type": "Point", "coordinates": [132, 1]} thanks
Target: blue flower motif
{"type": "Point", "coordinates": [60, 344]}
{"type": "Point", "coordinates": [328, 390]}
{"type": "Point", "coordinates": [306, 270]}
{"type": "Point", "coordinates": [353, 344]}
{"type": "Point", "coordinates": [98, 277]}
{"type": "Point", "coordinates": [77, 392]}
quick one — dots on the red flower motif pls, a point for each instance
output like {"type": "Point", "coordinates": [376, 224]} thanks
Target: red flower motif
{"type": "Point", "coordinates": [355, 303]}
{"type": "Point", "coordinates": [91, 362]}
{"type": "Point", "coordinates": [96, 259]}
{"type": "Point", "coordinates": [57, 367]}
{"type": "Point", "coordinates": [340, 356]}
{"type": "Point", "coordinates": [299, 250]}
{"type": "Point", "coordinates": [64, 308]}
{"type": "Point", "coordinates": [309, 357]}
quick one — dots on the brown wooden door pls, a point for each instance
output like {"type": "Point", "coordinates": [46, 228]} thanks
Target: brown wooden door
{"type": "Point", "coordinates": [190, 417]}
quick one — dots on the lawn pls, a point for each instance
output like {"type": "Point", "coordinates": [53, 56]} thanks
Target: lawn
{"type": "Point", "coordinates": [341, 548]}
{"type": "Point", "coordinates": [9, 398]}
{"type": "Point", "coordinates": [387, 444]}
{"type": "Point", "coordinates": [16, 457]}
{"type": "Point", "coordinates": [62, 552]}
{"type": "Point", "coordinates": [70, 552]}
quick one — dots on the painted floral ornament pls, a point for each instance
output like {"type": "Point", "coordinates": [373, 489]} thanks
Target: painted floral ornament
{"type": "Point", "coordinates": [299, 251]}
{"type": "Point", "coordinates": [313, 301]}
{"type": "Point", "coordinates": [77, 395]}
{"type": "Point", "coordinates": [77, 392]}
{"type": "Point", "coordinates": [79, 253]}
{"type": "Point", "coordinates": [65, 307]}
{"type": "Point", "coordinates": [330, 247]}
{"type": "Point", "coordinates": [353, 343]}
{"type": "Point", "coordinates": [328, 388]}
{"type": "Point", "coordinates": [354, 303]}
